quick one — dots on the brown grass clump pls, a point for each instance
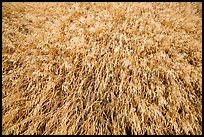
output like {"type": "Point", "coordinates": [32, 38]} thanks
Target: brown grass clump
{"type": "Point", "coordinates": [102, 68]}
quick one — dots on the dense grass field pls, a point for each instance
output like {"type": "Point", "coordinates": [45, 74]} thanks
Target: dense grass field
{"type": "Point", "coordinates": [102, 68]}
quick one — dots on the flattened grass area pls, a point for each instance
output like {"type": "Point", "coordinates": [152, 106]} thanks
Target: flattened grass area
{"type": "Point", "coordinates": [102, 68]}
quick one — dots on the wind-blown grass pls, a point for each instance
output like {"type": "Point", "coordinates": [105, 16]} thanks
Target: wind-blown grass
{"type": "Point", "coordinates": [102, 68]}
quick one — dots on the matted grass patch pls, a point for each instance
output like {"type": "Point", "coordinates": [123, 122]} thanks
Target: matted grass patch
{"type": "Point", "coordinates": [102, 68]}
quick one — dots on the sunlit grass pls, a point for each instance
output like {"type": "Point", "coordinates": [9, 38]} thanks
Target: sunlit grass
{"type": "Point", "coordinates": [101, 68]}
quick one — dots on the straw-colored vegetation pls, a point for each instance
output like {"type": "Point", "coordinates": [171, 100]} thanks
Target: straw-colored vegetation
{"type": "Point", "coordinates": [102, 68]}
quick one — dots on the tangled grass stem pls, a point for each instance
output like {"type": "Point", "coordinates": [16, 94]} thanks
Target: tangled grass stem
{"type": "Point", "coordinates": [101, 68]}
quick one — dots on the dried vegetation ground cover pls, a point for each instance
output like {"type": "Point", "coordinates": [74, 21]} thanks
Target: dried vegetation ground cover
{"type": "Point", "coordinates": [101, 68]}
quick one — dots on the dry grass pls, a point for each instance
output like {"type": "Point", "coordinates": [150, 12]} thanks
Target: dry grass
{"type": "Point", "coordinates": [102, 68]}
